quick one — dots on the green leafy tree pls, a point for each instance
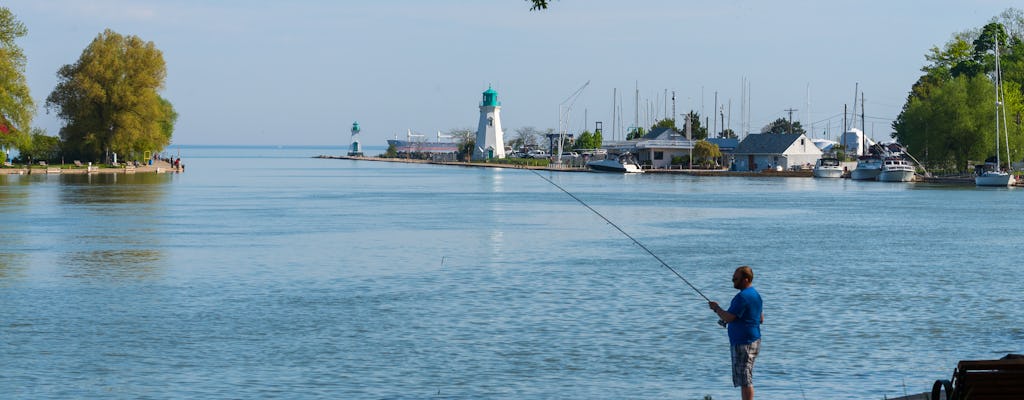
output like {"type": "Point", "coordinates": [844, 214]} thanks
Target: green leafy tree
{"type": "Point", "coordinates": [539, 4]}
{"type": "Point", "coordinates": [635, 133]}
{"type": "Point", "coordinates": [109, 99]}
{"type": "Point", "coordinates": [391, 152]}
{"type": "Point", "coordinates": [956, 123]}
{"type": "Point", "coordinates": [949, 117]}
{"type": "Point", "coordinates": [697, 130]}
{"type": "Point", "coordinates": [40, 147]}
{"type": "Point", "coordinates": [589, 140]}
{"type": "Point", "coordinates": [665, 123]}
{"type": "Point", "coordinates": [16, 106]}
{"type": "Point", "coordinates": [706, 152]}
{"type": "Point", "coordinates": [782, 125]}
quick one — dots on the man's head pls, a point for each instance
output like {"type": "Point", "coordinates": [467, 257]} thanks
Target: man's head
{"type": "Point", "coordinates": [743, 277]}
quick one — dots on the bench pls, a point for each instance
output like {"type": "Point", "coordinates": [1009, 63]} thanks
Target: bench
{"type": "Point", "coordinates": [984, 380]}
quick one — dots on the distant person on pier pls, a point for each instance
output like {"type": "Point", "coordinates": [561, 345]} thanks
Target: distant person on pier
{"type": "Point", "coordinates": [744, 318]}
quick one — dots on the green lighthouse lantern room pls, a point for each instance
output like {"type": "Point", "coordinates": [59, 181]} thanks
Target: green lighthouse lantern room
{"type": "Point", "coordinates": [490, 98]}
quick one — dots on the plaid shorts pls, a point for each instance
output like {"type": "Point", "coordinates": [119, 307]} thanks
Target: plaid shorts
{"type": "Point", "coordinates": [743, 356]}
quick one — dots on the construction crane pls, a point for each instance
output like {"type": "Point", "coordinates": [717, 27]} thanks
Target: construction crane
{"type": "Point", "coordinates": [564, 110]}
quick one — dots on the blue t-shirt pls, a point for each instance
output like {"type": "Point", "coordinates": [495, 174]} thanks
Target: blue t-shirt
{"type": "Point", "coordinates": [746, 306]}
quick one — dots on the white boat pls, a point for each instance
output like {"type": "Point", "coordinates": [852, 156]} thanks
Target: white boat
{"type": "Point", "coordinates": [993, 176]}
{"type": "Point", "coordinates": [896, 169]}
{"type": "Point", "coordinates": [623, 164]}
{"type": "Point", "coordinates": [868, 168]}
{"type": "Point", "coordinates": [828, 167]}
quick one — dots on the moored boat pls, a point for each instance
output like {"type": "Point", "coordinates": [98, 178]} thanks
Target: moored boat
{"type": "Point", "coordinates": [828, 167]}
{"type": "Point", "coordinates": [416, 143]}
{"type": "Point", "coordinates": [991, 174]}
{"type": "Point", "coordinates": [868, 168]}
{"type": "Point", "coordinates": [623, 164]}
{"type": "Point", "coordinates": [896, 169]}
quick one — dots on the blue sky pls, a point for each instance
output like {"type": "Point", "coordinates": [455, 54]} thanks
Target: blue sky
{"type": "Point", "coordinates": [260, 72]}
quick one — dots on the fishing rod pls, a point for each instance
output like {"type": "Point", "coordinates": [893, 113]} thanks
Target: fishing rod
{"type": "Point", "coordinates": [663, 263]}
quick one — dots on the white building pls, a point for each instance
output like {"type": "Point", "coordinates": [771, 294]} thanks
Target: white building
{"type": "Point", "coordinates": [490, 140]}
{"type": "Point", "coordinates": [759, 151]}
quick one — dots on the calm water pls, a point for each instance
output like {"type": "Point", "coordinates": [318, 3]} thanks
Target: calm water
{"type": "Point", "coordinates": [261, 272]}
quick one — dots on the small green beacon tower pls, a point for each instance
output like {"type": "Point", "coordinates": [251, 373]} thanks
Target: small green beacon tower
{"type": "Point", "coordinates": [356, 151]}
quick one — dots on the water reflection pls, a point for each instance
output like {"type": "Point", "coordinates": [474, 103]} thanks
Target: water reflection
{"type": "Point", "coordinates": [118, 223]}
{"type": "Point", "coordinates": [11, 266]}
{"type": "Point", "coordinates": [118, 264]}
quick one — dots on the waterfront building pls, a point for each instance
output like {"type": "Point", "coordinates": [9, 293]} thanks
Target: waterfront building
{"type": "Point", "coordinates": [760, 151]}
{"type": "Point", "coordinates": [490, 140]}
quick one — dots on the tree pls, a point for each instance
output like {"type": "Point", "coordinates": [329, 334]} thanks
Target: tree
{"type": "Point", "coordinates": [539, 5]}
{"type": "Point", "coordinates": [466, 138]}
{"type": "Point", "coordinates": [706, 152]}
{"type": "Point", "coordinates": [109, 99]}
{"type": "Point", "coordinates": [525, 136]}
{"type": "Point", "coordinates": [16, 105]}
{"type": "Point", "coordinates": [41, 147]}
{"type": "Point", "coordinates": [589, 140]}
{"type": "Point", "coordinates": [956, 122]}
{"type": "Point", "coordinates": [697, 131]}
{"type": "Point", "coordinates": [948, 119]}
{"type": "Point", "coordinates": [665, 123]}
{"type": "Point", "coordinates": [782, 125]}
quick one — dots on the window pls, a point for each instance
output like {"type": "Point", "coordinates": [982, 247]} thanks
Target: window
{"type": "Point", "coordinates": [490, 121]}
{"type": "Point", "coordinates": [659, 155]}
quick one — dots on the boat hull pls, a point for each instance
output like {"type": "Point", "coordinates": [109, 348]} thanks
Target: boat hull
{"type": "Point", "coordinates": [896, 176]}
{"type": "Point", "coordinates": [406, 146]}
{"type": "Point", "coordinates": [828, 172]}
{"type": "Point", "coordinates": [865, 174]}
{"type": "Point", "coordinates": [994, 179]}
{"type": "Point", "coordinates": [614, 167]}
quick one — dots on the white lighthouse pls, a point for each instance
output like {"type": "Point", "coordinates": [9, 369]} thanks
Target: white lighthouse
{"type": "Point", "coordinates": [490, 140]}
{"type": "Point", "coordinates": [356, 151]}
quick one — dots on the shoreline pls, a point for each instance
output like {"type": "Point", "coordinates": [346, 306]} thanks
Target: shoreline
{"type": "Point", "coordinates": [159, 167]}
{"type": "Point", "coordinates": [942, 180]}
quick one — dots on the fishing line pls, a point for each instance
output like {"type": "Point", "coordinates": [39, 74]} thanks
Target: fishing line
{"type": "Point", "coordinates": [663, 263]}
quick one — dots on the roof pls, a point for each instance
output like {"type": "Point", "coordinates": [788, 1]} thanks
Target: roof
{"type": "Point", "coordinates": [724, 143]}
{"type": "Point", "coordinates": [662, 133]}
{"type": "Point", "coordinates": [767, 143]}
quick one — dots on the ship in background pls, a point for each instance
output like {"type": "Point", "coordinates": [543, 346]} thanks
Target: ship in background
{"type": "Point", "coordinates": [417, 143]}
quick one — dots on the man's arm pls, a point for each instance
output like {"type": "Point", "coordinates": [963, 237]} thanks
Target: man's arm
{"type": "Point", "coordinates": [723, 314]}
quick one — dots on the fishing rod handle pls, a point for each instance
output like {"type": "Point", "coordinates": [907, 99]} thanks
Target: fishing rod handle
{"type": "Point", "coordinates": [722, 323]}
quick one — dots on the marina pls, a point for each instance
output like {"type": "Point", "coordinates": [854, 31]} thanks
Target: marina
{"type": "Point", "coordinates": [488, 282]}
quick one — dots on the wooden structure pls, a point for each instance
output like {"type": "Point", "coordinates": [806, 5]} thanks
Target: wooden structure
{"type": "Point", "coordinates": [984, 380]}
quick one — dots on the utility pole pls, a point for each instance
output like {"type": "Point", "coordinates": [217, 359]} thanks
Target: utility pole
{"type": "Point", "coordinates": [791, 110]}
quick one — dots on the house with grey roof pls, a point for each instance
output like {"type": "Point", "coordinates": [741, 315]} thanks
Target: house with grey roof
{"type": "Point", "coordinates": [768, 150]}
{"type": "Point", "coordinates": [658, 147]}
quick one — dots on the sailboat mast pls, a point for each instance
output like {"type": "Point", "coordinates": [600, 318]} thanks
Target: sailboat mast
{"type": "Point", "coordinates": [863, 128]}
{"type": "Point", "coordinates": [614, 94]}
{"type": "Point", "coordinates": [1001, 99]}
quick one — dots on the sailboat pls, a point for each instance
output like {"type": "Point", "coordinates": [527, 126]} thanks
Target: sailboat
{"type": "Point", "coordinates": [869, 163]}
{"type": "Point", "coordinates": [994, 176]}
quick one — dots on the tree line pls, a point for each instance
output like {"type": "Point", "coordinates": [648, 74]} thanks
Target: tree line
{"type": "Point", "coordinates": [108, 100]}
{"type": "Point", "coordinates": [949, 118]}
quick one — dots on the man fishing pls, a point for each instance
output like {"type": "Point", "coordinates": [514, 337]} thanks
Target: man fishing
{"type": "Point", "coordinates": [744, 318]}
